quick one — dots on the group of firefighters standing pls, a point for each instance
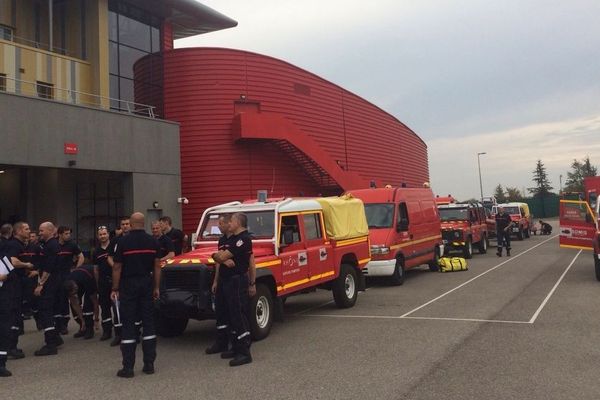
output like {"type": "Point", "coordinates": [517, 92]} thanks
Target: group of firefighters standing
{"type": "Point", "coordinates": [123, 281]}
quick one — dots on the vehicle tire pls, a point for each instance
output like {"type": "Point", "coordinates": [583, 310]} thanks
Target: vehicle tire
{"type": "Point", "coordinates": [483, 245]}
{"type": "Point", "coordinates": [261, 312]}
{"type": "Point", "coordinates": [170, 327]}
{"type": "Point", "coordinates": [397, 278]}
{"type": "Point", "coordinates": [520, 234]}
{"type": "Point", "coordinates": [344, 288]}
{"type": "Point", "coordinates": [468, 249]}
{"type": "Point", "coordinates": [434, 264]}
{"type": "Point", "coordinates": [597, 266]}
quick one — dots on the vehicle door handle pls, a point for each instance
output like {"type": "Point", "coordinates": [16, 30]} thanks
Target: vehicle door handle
{"type": "Point", "coordinates": [323, 254]}
{"type": "Point", "coordinates": [302, 258]}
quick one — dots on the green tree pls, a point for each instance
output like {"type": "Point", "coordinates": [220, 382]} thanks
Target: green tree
{"type": "Point", "coordinates": [542, 183]}
{"type": "Point", "coordinates": [499, 194]}
{"type": "Point", "coordinates": [513, 194]}
{"type": "Point", "coordinates": [580, 169]}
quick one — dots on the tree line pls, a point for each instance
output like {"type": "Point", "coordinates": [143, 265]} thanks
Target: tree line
{"type": "Point", "coordinates": [543, 186]}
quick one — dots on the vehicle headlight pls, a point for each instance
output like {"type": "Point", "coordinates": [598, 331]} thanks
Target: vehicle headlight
{"type": "Point", "coordinates": [380, 249]}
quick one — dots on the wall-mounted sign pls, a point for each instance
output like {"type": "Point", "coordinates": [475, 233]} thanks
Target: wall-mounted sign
{"type": "Point", "coordinates": [71, 148]}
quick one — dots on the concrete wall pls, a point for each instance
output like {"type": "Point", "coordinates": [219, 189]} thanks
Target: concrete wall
{"type": "Point", "coordinates": [34, 132]}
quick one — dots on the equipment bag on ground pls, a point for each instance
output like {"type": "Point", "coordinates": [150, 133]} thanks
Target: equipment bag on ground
{"type": "Point", "coordinates": [451, 264]}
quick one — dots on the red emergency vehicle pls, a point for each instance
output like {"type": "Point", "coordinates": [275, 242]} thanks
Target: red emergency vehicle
{"type": "Point", "coordinates": [464, 226]}
{"type": "Point", "coordinates": [579, 221]}
{"type": "Point", "coordinates": [404, 229]}
{"type": "Point", "coordinates": [299, 245]}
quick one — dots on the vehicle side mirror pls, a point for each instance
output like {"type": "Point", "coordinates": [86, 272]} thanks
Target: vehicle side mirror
{"type": "Point", "coordinates": [288, 237]}
{"type": "Point", "coordinates": [402, 225]}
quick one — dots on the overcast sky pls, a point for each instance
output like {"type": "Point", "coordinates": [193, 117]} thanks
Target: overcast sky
{"type": "Point", "coordinates": [519, 80]}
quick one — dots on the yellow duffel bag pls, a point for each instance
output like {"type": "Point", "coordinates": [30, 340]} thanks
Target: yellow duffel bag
{"type": "Point", "coordinates": [451, 264]}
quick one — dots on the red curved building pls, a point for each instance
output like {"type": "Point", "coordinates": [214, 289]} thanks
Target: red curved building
{"type": "Point", "coordinates": [252, 122]}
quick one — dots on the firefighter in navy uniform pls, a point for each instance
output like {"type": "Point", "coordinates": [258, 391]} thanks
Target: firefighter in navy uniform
{"type": "Point", "coordinates": [221, 344]}
{"type": "Point", "coordinates": [235, 284]}
{"type": "Point", "coordinates": [69, 257]}
{"type": "Point", "coordinates": [166, 250]}
{"type": "Point", "coordinates": [81, 287]}
{"type": "Point", "coordinates": [175, 235]}
{"type": "Point", "coordinates": [4, 324]}
{"type": "Point", "coordinates": [136, 282]}
{"type": "Point", "coordinates": [16, 253]}
{"type": "Point", "coordinates": [32, 255]}
{"type": "Point", "coordinates": [101, 260]}
{"type": "Point", "coordinates": [124, 228]}
{"type": "Point", "coordinates": [503, 225]}
{"type": "Point", "coordinates": [48, 288]}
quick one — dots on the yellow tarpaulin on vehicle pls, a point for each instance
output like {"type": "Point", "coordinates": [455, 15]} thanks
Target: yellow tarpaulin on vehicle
{"type": "Point", "coordinates": [344, 217]}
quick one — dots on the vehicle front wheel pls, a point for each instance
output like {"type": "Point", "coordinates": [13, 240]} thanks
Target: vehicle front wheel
{"type": "Point", "coordinates": [170, 327]}
{"type": "Point", "coordinates": [520, 234]}
{"type": "Point", "coordinates": [434, 263]}
{"type": "Point", "coordinates": [344, 288]}
{"type": "Point", "coordinates": [397, 278]}
{"type": "Point", "coordinates": [468, 249]}
{"type": "Point", "coordinates": [483, 245]}
{"type": "Point", "coordinates": [261, 312]}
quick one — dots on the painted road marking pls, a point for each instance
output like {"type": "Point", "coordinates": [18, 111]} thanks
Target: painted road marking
{"type": "Point", "coordinates": [541, 307]}
{"type": "Point", "coordinates": [407, 315]}
{"type": "Point", "coordinates": [476, 277]}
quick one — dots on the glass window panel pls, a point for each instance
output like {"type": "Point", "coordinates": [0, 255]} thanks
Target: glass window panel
{"type": "Point", "coordinates": [112, 26]}
{"type": "Point", "coordinates": [126, 89]}
{"type": "Point", "coordinates": [113, 58]}
{"type": "Point", "coordinates": [127, 57]}
{"type": "Point", "coordinates": [134, 33]}
{"type": "Point", "coordinates": [114, 91]}
{"type": "Point", "coordinates": [155, 40]}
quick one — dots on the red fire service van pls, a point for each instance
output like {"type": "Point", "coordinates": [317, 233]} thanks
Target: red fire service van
{"type": "Point", "coordinates": [404, 230]}
{"type": "Point", "coordinates": [579, 221]}
{"type": "Point", "coordinates": [299, 245]}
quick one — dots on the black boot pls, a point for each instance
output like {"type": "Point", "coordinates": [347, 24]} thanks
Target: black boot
{"type": "Point", "coordinates": [106, 331]}
{"type": "Point", "coordinates": [15, 354]}
{"type": "Point", "coordinates": [79, 334]}
{"type": "Point", "coordinates": [125, 373]}
{"type": "Point", "coordinates": [508, 252]}
{"type": "Point", "coordinates": [88, 333]}
{"type": "Point", "coordinates": [221, 344]}
{"type": "Point", "coordinates": [117, 339]}
{"type": "Point", "coordinates": [148, 368]}
{"type": "Point", "coordinates": [46, 351]}
{"type": "Point", "coordinates": [499, 253]}
{"type": "Point", "coordinates": [242, 352]}
{"type": "Point", "coordinates": [3, 371]}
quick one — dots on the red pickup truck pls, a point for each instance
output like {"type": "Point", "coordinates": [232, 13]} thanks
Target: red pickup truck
{"type": "Point", "coordinates": [464, 226]}
{"type": "Point", "coordinates": [299, 245]}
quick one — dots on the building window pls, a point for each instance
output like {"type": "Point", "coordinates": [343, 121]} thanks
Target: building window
{"type": "Point", "coordinates": [135, 61]}
{"type": "Point", "coordinates": [6, 32]}
{"type": "Point", "coordinates": [45, 90]}
{"type": "Point", "coordinates": [2, 82]}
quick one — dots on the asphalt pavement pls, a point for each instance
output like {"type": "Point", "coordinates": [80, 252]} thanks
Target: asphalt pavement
{"type": "Point", "coordinates": [519, 327]}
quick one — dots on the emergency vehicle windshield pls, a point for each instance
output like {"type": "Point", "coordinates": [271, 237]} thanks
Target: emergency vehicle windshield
{"type": "Point", "coordinates": [512, 210]}
{"type": "Point", "coordinates": [379, 215]}
{"type": "Point", "coordinates": [454, 214]}
{"type": "Point", "coordinates": [260, 225]}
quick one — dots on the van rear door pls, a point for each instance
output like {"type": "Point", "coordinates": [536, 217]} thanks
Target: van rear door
{"type": "Point", "coordinates": [578, 225]}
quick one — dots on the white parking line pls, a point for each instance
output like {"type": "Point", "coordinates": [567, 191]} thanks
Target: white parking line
{"type": "Point", "coordinates": [541, 307]}
{"type": "Point", "coordinates": [476, 277]}
{"type": "Point", "coordinates": [421, 318]}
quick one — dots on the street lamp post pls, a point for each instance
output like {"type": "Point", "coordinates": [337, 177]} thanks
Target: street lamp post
{"type": "Point", "coordinates": [560, 178]}
{"type": "Point", "coordinates": [479, 168]}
